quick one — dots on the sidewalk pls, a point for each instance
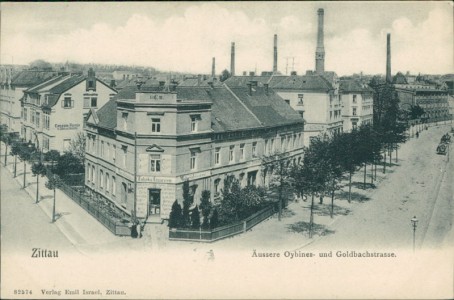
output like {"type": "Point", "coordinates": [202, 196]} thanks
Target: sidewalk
{"type": "Point", "coordinates": [72, 220]}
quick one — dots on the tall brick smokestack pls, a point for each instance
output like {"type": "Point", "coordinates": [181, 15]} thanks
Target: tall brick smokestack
{"type": "Point", "coordinates": [388, 58]}
{"type": "Point", "coordinates": [232, 60]}
{"type": "Point", "coordinates": [213, 68]}
{"type": "Point", "coordinates": [275, 55]}
{"type": "Point", "coordinates": [320, 51]}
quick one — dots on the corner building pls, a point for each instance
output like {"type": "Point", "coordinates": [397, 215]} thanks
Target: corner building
{"type": "Point", "coordinates": [144, 145]}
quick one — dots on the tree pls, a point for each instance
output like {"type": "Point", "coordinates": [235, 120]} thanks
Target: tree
{"type": "Point", "coordinates": [231, 202]}
{"type": "Point", "coordinates": [77, 147]}
{"type": "Point", "coordinates": [205, 206]}
{"type": "Point", "coordinates": [52, 156]}
{"type": "Point", "coordinates": [38, 170]}
{"type": "Point", "coordinates": [25, 154]}
{"type": "Point", "coordinates": [187, 202]}
{"type": "Point", "coordinates": [40, 65]}
{"type": "Point", "coordinates": [214, 220]}
{"type": "Point", "coordinates": [278, 163]}
{"type": "Point", "coordinates": [176, 216]}
{"type": "Point", "coordinates": [15, 150]}
{"type": "Point", "coordinates": [53, 183]}
{"type": "Point", "coordinates": [225, 75]}
{"type": "Point", "coordinates": [68, 163]}
{"type": "Point", "coordinates": [195, 218]}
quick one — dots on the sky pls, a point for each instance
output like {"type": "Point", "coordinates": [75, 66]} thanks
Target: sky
{"type": "Point", "coordinates": [184, 36]}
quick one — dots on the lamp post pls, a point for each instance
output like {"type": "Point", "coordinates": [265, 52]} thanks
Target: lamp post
{"type": "Point", "coordinates": [414, 223]}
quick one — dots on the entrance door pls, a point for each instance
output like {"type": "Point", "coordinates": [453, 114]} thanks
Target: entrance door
{"type": "Point", "coordinates": [154, 201]}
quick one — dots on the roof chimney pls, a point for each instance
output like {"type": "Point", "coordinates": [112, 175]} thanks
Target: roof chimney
{"type": "Point", "coordinates": [275, 55]}
{"type": "Point", "coordinates": [112, 83]}
{"type": "Point", "coordinates": [199, 79]}
{"type": "Point", "coordinates": [320, 51]}
{"type": "Point", "coordinates": [232, 60]}
{"type": "Point", "coordinates": [388, 58]}
{"type": "Point", "coordinates": [266, 88]}
{"type": "Point", "coordinates": [249, 89]}
{"type": "Point", "coordinates": [213, 68]}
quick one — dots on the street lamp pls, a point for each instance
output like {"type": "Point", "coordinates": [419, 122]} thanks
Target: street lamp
{"type": "Point", "coordinates": [414, 223]}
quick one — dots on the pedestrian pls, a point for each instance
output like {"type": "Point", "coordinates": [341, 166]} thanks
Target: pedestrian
{"type": "Point", "coordinates": [417, 134]}
{"type": "Point", "coordinates": [134, 233]}
{"type": "Point", "coordinates": [139, 229]}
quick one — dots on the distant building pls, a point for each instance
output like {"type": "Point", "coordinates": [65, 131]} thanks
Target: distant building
{"type": "Point", "coordinates": [55, 110]}
{"type": "Point", "coordinates": [142, 147]}
{"type": "Point", "coordinates": [433, 100]}
{"type": "Point", "coordinates": [12, 85]}
{"type": "Point", "coordinates": [357, 104]}
{"type": "Point", "coordinates": [122, 75]}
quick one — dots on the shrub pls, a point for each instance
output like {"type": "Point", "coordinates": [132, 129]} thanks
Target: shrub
{"type": "Point", "coordinates": [176, 216]}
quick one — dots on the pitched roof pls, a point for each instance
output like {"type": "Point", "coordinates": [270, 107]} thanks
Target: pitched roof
{"type": "Point", "coordinates": [38, 87]}
{"type": "Point", "coordinates": [283, 82]}
{"type": "Point", "coordinates": [196, 82]}
{"type": "Point", "coordinates": [269, 108]}
{"type": "Point", "coordinates": [28, 78]}
{"type": "Point", "coordinates": [67, 84]}
{"type": "Point", "coordinates": [232, 109]}
{"type": "Point", "coordinates": [354, 86]}
{"type": "Point", "coordinates": [107, 115]}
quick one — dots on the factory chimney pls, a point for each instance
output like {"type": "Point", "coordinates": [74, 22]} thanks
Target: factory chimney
{"type": "Point", "coordinates": [213, 68]}
{"type": "Point", "coordinates": [388, 58]}
{"type": "Point", "coordinates": [232, 60]}
{"type": "Point", "coordinates": [320, 51]}
{"type": "Point", "coordinates": [275, 55]}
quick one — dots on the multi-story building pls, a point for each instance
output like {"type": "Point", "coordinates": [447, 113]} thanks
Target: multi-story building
{"type": "Point", "coordinates": [12, 86]}
{"type": "Point", "coordinates": [55, 110]}
{"type": "Point", "coordinates": [142, 147]}
{"type": "Point", "coordinates": [315, 97]}
{"type": "Point", "coordinates": [357, 104]}
{"type": "Point", "coordinates": [433, 100]}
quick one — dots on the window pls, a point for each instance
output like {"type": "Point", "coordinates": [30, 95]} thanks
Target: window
{"type": "Point", "coordinates": [114, 185]}
{"type": "Point", "coordinates": [114, 153]}
{"type": "Point", "coordinates": [38, 100]}
{"type": "Point", "coordinates": [93, 144]}
{"type": "Point", "coordinates": [331, 115]}
{"type": "Point", "coordinates": [231, 153]}
{"type": "Point", "coordinates": [108, 151]}
{"type": "Point", "coordinates": [300, 99]}
{"type": "Point", "coordinates": [93, 174]}
{"type": "Point", "coordinates": [32, 116]}
{"type": "Point", "coordinates": [266, 147]}
{"type": "Point", "coordinates": [46, 121]}
{"type": "Point", "coordinates": [155, 163]}
{"type": "Point", "coordinates": [124, 116]}
{"type": "Point", "coordinates": [102, 149]}
{"type": "Point", "coordinates": [283, 143]}
{"type": "Point", "coordinates": [251, 177]}
{"type": "Point", "coordinates": [37, 119]}
{"type": "Point", "coordinates": [194, 123]}
{"type": "Point", "coordinates": [155, 125]}
{"type": "Point", "coordinates": [193, 160]}
{"type": "Point", "coordinates": [101, 179]}
{"type": "Point", "coordinates": [88, 172]}
{"type": "Point", "coordinates": [45, 143]}
{"type": "Point", "coordinates": [67, 102]}
{"type": "Point", "coordinates": [354, 125]}
{"type": "Point", "coordinates": [354, 111]}
{"type": "Point", "coordinates": [217, 156]}
{"type": "Point", "coordinates": [66, 143]}
{"type": "Point", "coordinates": [354, 98]}
{"type": "Point", "coordinates": [216, 187]}
{"type": "Point", "coordinates": [254, 149]}
{"type": "Point", "coordinates": [94, 101]}
{"type": "Point", "coordinates": [287, 101]}
{"type": "Point", "coordinates": [107, 185]}
{"type": "Point", "coordinates": [242, 151]}
{"type": "Point", "coordinates": [124, 154]}
{"type": "Point", "coordinates": [272, 146]}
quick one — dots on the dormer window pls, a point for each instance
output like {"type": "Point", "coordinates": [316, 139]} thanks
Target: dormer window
{"type": "Point", "coordinates": [124, 116]}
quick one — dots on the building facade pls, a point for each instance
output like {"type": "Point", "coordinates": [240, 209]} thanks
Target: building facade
{"type": "Point", "coordinates": [433, 100]}
{"type": "Point", "coordinates": [357, 104]}
{"type": "Point", "coordinates": [142, 147]}
{"type": "Point", "coordinates": [54, 111]}
{"type": "Point", "coordinates": [12, 86]}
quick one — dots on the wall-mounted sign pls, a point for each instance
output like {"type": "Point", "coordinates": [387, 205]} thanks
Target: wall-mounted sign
{"type": "Point", "coordinates": [69, 126]}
